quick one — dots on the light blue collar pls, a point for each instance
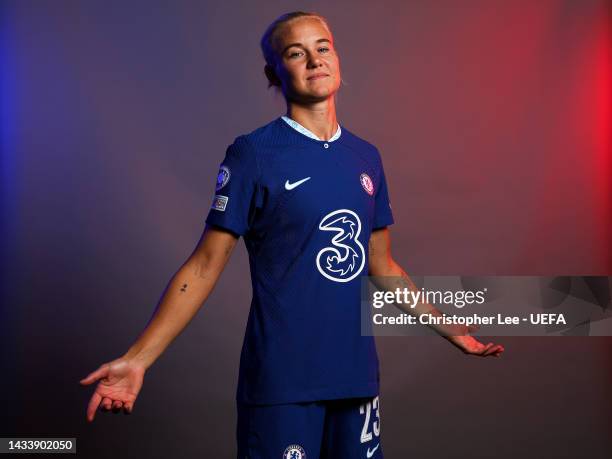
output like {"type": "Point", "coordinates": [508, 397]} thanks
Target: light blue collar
{"type": "Point", "coordinates": [298, 127]}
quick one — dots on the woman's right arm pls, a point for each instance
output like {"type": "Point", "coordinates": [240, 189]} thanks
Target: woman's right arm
{"type": "Point", "coordinates": [121, 379]}
{"type": "Point", "coordinates": [185, 294]}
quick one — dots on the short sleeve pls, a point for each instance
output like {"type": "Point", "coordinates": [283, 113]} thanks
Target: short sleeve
{"type": "Point", "coordinates": [236, 190]}
{"type": "Point", "coordinates": [382, 206]}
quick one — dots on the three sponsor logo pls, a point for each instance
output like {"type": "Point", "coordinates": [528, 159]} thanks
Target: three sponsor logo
{"type": "Point", "coordinates": [344, 258]}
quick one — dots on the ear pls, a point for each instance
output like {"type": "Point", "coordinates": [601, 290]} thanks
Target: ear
{"type": "Point", "coordinates": [273, 80]}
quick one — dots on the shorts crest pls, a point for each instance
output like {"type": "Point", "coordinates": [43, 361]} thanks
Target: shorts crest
{"type": "Point", "coordinates": [294, 452]}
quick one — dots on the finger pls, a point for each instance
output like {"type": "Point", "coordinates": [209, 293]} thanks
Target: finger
{"type": "Point", "coordinates": [106, 404]}
{"type": "Point", "coordinates": [101, 372]}
{"type": "Point", "coordinates": [117, 404]}
{"type": "Point", "coordinates": [485, 349]}
{"type": "Point", "coordinates": [93, 406]}
{"type": "Point", "coordinates": [128, 407]}
{"type": "Point", "coordinates": [493, 350]}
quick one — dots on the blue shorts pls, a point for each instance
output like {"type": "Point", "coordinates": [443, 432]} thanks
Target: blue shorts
{"type": "Point", "coordinates": [344, 428]}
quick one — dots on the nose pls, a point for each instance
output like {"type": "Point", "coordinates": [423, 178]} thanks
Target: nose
{"type": "Point", "coordinates": [314, 61]}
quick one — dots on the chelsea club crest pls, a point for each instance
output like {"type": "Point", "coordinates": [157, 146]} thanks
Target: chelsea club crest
{"type": "Point", "coordinates": [366, 183]}
{"type": "Point", "coordinates": [294, 452]}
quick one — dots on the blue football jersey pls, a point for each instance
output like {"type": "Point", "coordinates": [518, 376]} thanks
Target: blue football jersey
{"type": "Point", "coordinates": [306, 209]}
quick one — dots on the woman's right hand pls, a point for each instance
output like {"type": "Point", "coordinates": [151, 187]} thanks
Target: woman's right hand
{"type": "Point", "coordinates": [120, 383]}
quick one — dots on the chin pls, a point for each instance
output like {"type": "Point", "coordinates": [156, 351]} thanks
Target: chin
{"type": "Point", "coordinates": [320, 92]}
{"type": "Point", "coordinates": [309, 94]}
{"type": "Point", "coordinates": [320, 96]}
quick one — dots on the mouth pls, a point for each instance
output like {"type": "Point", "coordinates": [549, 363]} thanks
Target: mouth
{"type": "Point", "coordinates": [317, 76]}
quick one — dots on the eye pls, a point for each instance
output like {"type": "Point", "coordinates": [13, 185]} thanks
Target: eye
{"type": "Point", "coordinates": [293, 54]}
{"type": "Point", "coordinates": [326, 49]}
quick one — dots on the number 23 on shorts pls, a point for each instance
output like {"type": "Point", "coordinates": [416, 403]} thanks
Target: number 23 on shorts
{"type": "Point", "coordinates": [366, 434]}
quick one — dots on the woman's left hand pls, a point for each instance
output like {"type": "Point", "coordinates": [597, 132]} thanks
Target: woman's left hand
{"type": "Point", "coordinates": [470, 345]}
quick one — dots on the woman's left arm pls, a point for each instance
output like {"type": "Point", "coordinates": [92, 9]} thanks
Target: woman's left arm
{"type": "Point", "coordinates": [388, 276]}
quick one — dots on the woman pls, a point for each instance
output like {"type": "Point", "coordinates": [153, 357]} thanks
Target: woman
{"type": "Point", "coordinates": [310, 199]}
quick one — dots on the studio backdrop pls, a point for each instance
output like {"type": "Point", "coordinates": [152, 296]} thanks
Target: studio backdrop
{"type": "Point", "coordinates": [493, 123]}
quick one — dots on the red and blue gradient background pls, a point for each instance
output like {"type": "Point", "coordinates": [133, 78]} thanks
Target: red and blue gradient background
{"type": "Point", "coordinates": [493, 119]}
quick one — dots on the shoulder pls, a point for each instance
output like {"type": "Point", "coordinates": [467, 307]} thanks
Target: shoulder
{"type": "Point", "coordinates": [245, 145]}
{"type": "Point", "coordinates": [248, 148]}
{"type": "Point", "coordinates": [360, 145]}
{"type": "Point", "coordinates": [263, 136]}
{"type": "Point", "coordinates": [259, 141]}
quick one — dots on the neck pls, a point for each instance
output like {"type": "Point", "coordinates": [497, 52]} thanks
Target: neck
{"type": "Point", "coordinates": [320, 118]}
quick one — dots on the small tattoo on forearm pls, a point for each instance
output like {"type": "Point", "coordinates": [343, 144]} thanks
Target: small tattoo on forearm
{"type": "Point", "coordinates": [184, 288]}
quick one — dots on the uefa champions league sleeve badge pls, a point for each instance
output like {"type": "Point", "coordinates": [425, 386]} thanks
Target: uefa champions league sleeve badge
{"type": "Point", "coordinates": [222, 177]}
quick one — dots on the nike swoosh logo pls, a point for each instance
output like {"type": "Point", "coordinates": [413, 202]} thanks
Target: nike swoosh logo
{"type": "Point", "coordinates": [291, 186]}
{"type": "Point", "coordinates": [370, 453]}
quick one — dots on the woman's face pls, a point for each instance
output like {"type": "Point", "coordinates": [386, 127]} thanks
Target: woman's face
{"type": "Point", "coordinates": [306, 61]}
